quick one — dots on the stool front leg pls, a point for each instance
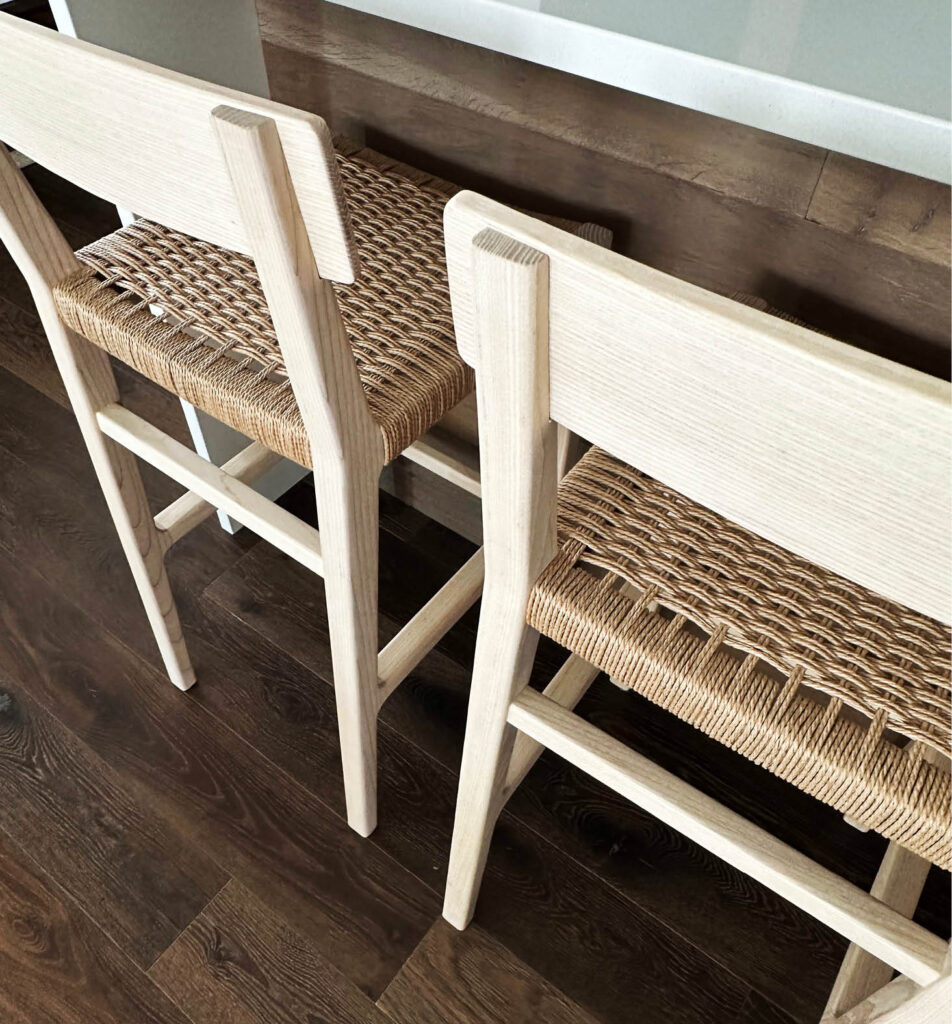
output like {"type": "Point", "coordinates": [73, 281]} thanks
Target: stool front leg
{"type": "Point", "coordinates": [90, 384]}
{"type": "Point", "coordinates": [505, 651]}
{"type": "Point", "coordinates": [348, 514]}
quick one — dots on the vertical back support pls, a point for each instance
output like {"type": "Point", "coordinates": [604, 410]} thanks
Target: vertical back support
{"type": "Point", "coordinates": [326, 384]}
{"type": "Point", "coordinates": [519, 466]}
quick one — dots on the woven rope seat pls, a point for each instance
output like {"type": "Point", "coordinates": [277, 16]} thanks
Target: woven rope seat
{"type": "Point", "coordinates": [215, 345]}
{"type": "Point", "coordinates": [809, 675]}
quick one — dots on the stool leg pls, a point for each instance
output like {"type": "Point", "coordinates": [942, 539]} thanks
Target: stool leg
{"type": "Point", "coordinates": [348, 515]}
{"type": "Point", "coordinates": [90, 385]}
{"type": "Point", "coordinates": [899, 883]}
{"type": "Point", "coordinates": [505, 650]}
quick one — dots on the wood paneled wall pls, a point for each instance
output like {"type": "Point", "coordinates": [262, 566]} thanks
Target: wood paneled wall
{"type": "Point", "coordinates": [854, 249]}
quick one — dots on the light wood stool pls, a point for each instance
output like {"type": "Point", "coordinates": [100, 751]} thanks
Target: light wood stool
{"type": "Point", "coordinates": [776, 571]}
{"type": "Point", "coordinates": [295, 292]}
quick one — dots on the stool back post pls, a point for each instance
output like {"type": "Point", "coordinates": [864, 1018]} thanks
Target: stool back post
{"type": "Point", "coordinates": [45, 257]}
{"type": "Point", "coordinates": [347, 444]}
{"type": "Point", "coordinates": [519, 460]}
{"type": "Point", "coordinates": [307, 320]}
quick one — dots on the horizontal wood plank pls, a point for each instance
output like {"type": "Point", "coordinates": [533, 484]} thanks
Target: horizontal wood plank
{"type": "Point", "coordinates": [56, 966]}
{"type": "Point", "coordinates": [139, 881]}
{"type": "Point", "coordinates": [728, 158]}
{"type": "Point", "coordinates": [892, 209]}
{"type": "Point", "coordinates": [886, 300]}
{"type": "Point", "coordinates": [471, 978]}
{"type": "Point", "coordinates": [240, 962]}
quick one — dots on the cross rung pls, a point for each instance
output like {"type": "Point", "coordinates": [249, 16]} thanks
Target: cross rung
{"type": "Point", "coordinates": [271, 522]}
{"type": "Point", "coordinates": [423, 631]}
{"type": "Point", "coordinates": [906, 946]}
{"type": "Point", "coordinates": [445, 459]}
{"type": "Point", "coordinates": [191, 509]}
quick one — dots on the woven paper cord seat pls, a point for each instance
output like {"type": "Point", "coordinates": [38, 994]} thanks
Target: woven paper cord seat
{"type": "Point", "coordinates": [220, 351]}
{"type": "Point", "coordinates": [814, 677]}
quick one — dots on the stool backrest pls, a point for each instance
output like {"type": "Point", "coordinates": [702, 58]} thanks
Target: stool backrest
{"type": "Point", "coordinates": [143, 138]}
{"type": "Point", "coordinates": [230, 169]}
{"type": "Point", "coordinates": [838, 455]}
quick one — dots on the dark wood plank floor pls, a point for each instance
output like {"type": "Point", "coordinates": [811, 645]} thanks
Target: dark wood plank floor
{"type": "Point", "coordinates": [173, 858]}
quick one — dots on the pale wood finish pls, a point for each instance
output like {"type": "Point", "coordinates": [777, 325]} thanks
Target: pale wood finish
{"type": "Point", "coordinates": [421, 634]}
{"type": "Point", "coordinates": [865, 495]}
{"type": "Point", "coordinates": [44, 257]}
{"type": "Point", "coordinates": [519, 469]}
{"type": "Point", "coordinates": [186, 512]}
{"type": "Point", "coordinates": [908, 947]}
{"type": "Point", "coordinates": [61, 108]}
{"type": "Point", "coordinates": [324, 377]}
{"type": "Point", "coordinates": [445, 459]}
{"type": "Point", "coordinates": [261, 179]}
{"type": "Point", "coordinates": [288, 533]}
{"type": "Point", "coordinates": [899, 884]}
{"type": "Point", "coordinates": [567, 687]}
{"type": "Point", "coordinates": [903, 1002]}
{"type": "Point", "coordinates": [683, 385]}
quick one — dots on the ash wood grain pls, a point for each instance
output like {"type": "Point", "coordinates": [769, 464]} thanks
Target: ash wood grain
{"type": "Point", "coordinates": [651, 865]}
{"type": "Point", "coordinates": [240, 962]}
{"type": "Point", "coordinates": [117, 860]}
{"type": "Point", "coordinates": [892, 209]}
{"type": "Point", "coordinates": [470, 978]}
{"type": "Point", "coordinates": [847, 466]}
{"type": "Point", "coordinates": [519, 482]}
{"type": "Point", "coordinates": [45, 258]}
{"type": "Point", "coordinates": [52, 76]}
{"type": "Point", "coordinates": [869, 295]}
{"type": "Point", "coordinates": [725, 157]}
{"type": "Point", "coordinates": [889, 935]}
{"type": "Point", "coordinates": [361, 909]}
{"type": "Point", "coordinates": [43, 498]}
{"type": "Point", "coordinates": [56, 966]}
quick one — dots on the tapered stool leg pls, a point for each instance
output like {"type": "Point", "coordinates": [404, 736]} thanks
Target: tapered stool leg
{"type": "Point", "coordinates": [348, 519]}
{"type": "Point", "coordinates": [504, 656]}
{"type": "Point", "coordinates": [91, 385]}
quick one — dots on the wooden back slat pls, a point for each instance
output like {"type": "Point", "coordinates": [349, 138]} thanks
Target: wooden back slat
{"type": "Point", "coordinates": [142, 138]}
{"type": "Point", "coordinates": [835, 454]}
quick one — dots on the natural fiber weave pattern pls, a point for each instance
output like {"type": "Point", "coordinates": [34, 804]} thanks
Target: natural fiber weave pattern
{"type": "Point", "coordinates": [217, 346]}
{"type": "Point", "coordinates": [800, 670]}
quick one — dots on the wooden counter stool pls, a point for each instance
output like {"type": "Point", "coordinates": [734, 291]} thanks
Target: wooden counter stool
{"type": "Point", "coordinates": [759, 542]}
{"type": "Point", "coordinates": [222, 293]}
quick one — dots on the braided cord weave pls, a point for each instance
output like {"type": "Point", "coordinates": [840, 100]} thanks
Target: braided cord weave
{"type": "Point", "coordinates": [216, 345]}
{"type": "Point", "coordinates": [795, 667]}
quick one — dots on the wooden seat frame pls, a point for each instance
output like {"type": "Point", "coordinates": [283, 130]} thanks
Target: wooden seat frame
{"type": "Point", "coordinates": [792, 435]}
{"type": "Point", "coordinates": [261, 179]}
